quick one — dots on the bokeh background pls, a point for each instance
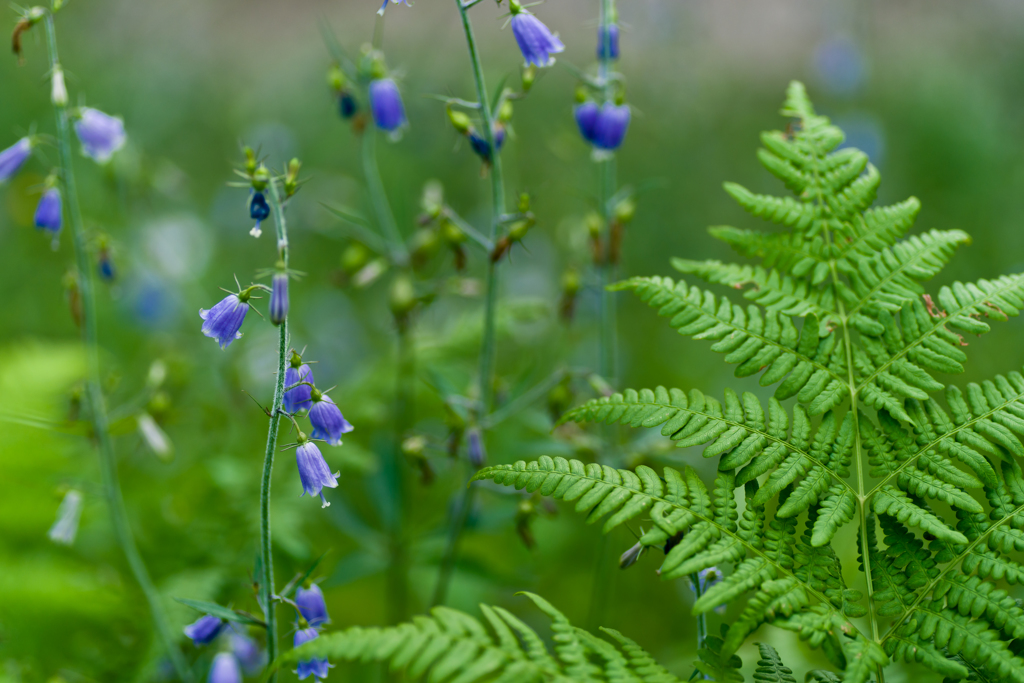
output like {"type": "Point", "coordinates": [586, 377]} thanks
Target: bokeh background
{"type": "Point", "coordinates": [932, 90]}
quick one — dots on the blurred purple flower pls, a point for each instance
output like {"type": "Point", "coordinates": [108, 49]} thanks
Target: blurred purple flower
{"type": "Point", "coordinates": [316, 667]}
{"type": "Point", "coordinates": [204, 629]}
{"type": "Point", "coordinates": [101, 134]}
{"type": "Point", "coordinates": [535, 40]}
{"type": "Point", "coordinates": [347, 105]}
{"type": "Point", "coordinates": [298, 398]}
{"type": "Point", "coordinates": [840, 64]}
{"type": "Point", "coordinates": [247, 652]}
{"type": "Point", "coordinates": [314, 472]}
{"type": "Point", "coordinates": [312, 605]}
{"type": "Point", "coordinates": [586, 119]}
{"type": "Point", "coordinates": [328, 422]}
{"type": "Point", "coordinates": [48, 212]}
{"type": "Point", "coordinates": [611, 126]}
{"type": "Point", "coordinates": [13, 157]}
{"type": "Point", "coordinates": [386, 104]}
{"type": "Point", "coordinates": [258, 211]}
{"type": "Point", "coordinates": [225, 669]}
{"type": "Point", "coordinates": [279, 300]}
{"type": "Point", "coordinates": [475, 448]}
{"type": "Point", "coordinates": [611, 32]}
{"type": "Point", "coordinates": [223, 321]}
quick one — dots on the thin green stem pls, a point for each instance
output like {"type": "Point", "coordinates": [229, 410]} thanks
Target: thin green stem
{"type": "Point", "coordinates": [379, 199]}
{"type": "Point", "coordinates": [266, 551]}
{"type": "Point", "coordinates": [487, 345]}
{"type": "Point", "coordinates": [398, 583]}
{"type": "Point", "coordinates": [97, 403]}
{"type": "Point", "coordinates": [702, 621]}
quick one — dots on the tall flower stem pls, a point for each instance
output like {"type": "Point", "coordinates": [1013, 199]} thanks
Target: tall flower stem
{"type": "Point", "coordinates": [94, 391]}
{"type": "Point", "coordinates": [397, 581]}
{"type": "Point", "coordinates": [487, 346]}
{"type": "Point", "coordinates": [266, 553]}
{"type": "Point", "coordinates": [379, 199]}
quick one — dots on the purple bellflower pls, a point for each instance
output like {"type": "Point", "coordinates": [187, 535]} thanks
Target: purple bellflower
{"type": "Point", "coordinates": [611, 126]}
{"type": "Point", "coordinates": [298, 398]}
{"type": "Point", "coordinates": [48, 212]}
{"type": "Point", "coordinates": [328, 422]}
{"type": "Point", "coordinates": [312, 605]}
{"type": "Point", "coordinates": [397, 2]}
{"type": "Point", "coordinates": [386, 105]}
{"type": "Point", "coordinates": [536, 41]}
{"type": "Point", "coordinates": [279, 299]}
{"type": "Point", "coordinates": [482, 147]}
{"type": "Point", "coordinates": [609, 32]}
{"type": "Point", "coordinates": [225, 669]}
{"type": "Point", "coordinates": [317, 666]}
{"type": "Point", "coordinates": [586, 119]}
{"type": "Point", "coordinates": [101, 134]}
{"type": "Point", "coordinates": [13, 157]}
{"type": "Point", "coordinates": [258, 211]}
{"type": "Point", "coordinates": [313, 470]}
{"type": "Point", "coordinates": [223, 321]}
{"type": "Point", "coordinates": [247, 652]}
{"type": "Point", "coordinates": [204, 629]}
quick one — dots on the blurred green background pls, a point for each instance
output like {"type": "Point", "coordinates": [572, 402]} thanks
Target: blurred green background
{"type": "Point", "coordinates": [931, 90]}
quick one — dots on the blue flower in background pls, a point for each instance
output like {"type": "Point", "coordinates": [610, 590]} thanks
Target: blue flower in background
{"type": "Point", "coordinates": [13, 157]}
{"type": "Point", "coordinates": [537, 43]}
{"type": "Point", "coordinates": [386, 105]}
{"type": "Point", "coordinates": [225, 669]}
{"type": "Point", "coordinates": [298, 398]}
{"type": "Point", "coordinates": [247, 652]}
{"type": "Point", "coordinates": [258, 211]}
{"type": "Point", "coordinates": [314, 472]}
{"type": "Point", "coordinates": [279, 300]}
{"type": "Point", "coordinates": [48, 212]}
{"type": "Point", "coordinates": [397, 2]}
{"type": "Point", "coordinates": [101, 134]}
{"type": "Point", "coordinates": [611, 126]}
{"type": "Point", "coordinates": [223, 321]}
{"type": "Point", "coordinates": [204, 629]}
{"type": "Point", "coordinates": [475, 448]}
{"type": "Point", "coordinates": [586, 119]}
{"type": "Point", "coordinates": [609, 33]}
{"type": "Point", "coordinates": [317, 666]}
{"type": "Point", "coordinates": [840, 65]}
{"type": "Point", "coordinates": [312, 605]}
{"type": "Point", "coordinates": [328, 422]}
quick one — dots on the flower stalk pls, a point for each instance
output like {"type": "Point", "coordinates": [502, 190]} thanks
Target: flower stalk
{"type": "Point", "coordinates": [94, 391]}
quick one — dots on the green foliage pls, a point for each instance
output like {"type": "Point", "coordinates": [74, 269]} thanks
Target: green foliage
{"type": "Point", "coordinates": [837, 317]}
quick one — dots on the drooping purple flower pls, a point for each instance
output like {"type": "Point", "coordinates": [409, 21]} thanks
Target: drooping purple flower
{"type": "Point", "coordinates": [611, 126]}
{"type": "Point", "coordinates": [628, 558]}
{"type": "Point", "coordinates": [223, 321]}
{"type": "Point", "coordinates": [279, 299]}
{"type": "Point", "coordinates": [101, 134]}
{"type": "Point", "coordinates": [609, 33]}
{"type": "Point", "coordinates": [475, 448]}
{"type": "Point", "coordinates": [537, 43]}
{"type": "Point", "coordinates": [480, 145]}
{"type": "Point", "coordinates": [48, 212]}
{"type": "Point", "coordinates": [312, 605]}
{"type": "Point", "coordinates": [225, 669]}
{"type": "Point", "coordinates": [314, 472]}
{"type": "Point", "coordinates": [204, 629]}
{"type": "Point", "coordinates": [258, 211]}
{"type": "Point", "coordinates": [247, 652]}
{"type": "Point", "coordinates": [586, 119]}
{"type": "Point", "coordinates": [13, 157]}
{"type": "Point", "coordinates": [328, 422]}
{"type": "Point", "coordinates": [298, 398]}
{"type": "Point", "coordinates": [386, 104]}
{"type": "Point", "coordinates": [317, 666]}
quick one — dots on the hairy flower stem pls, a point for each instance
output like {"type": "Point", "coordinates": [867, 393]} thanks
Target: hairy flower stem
{"type": "Point", "coordinates": [94, 392]}
{"type": "Point", "coordinates": [487, 345]}
{"type": "Point", "coordinates": [266, 581]}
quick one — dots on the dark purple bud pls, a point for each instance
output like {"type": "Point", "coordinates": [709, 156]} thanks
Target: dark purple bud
{"type": "Point", "coordinates": [475, 448]}
{"type": "Point", "coordinates": [328, 422]}
{"type": "Point", "coordinates": [48, 213]}
{"type": "Point", "coordinates": [611, 126]}
{"type": "Point", "coordinates": [499, 135]}
{"type": "Point", "coordinates": [258, 207]}
{"type": "Point", "coordinates": [298, 398]}
{"type": "Point", "coordinates": [13, 157]}
{"type": "Point", "coordinates": [347, 105]}
{"type": "Point", "coordinates": [101, 134]}
{"type": "Point", "coordinates": [608, 39]}
{"type": "Point", "coordinates": [223, 321]}
{"type": "Point", "coordinates": [247, 652]}
{"type": "Point", "coordinates": [204, 629]}
{"type": "Point", "coordinates": [317, 666]}
{"type": "Point", "coordinates": [386, 104]}
{"type": "Point", "coordinates": [279, 299]}
{"type": "Point", "coordinates": [535, 40]}
{"type": "Point", "coordinates": [586, 118]}
{"type": "Point", "coordinates": [106, 266]}
{"type": "Point", "coordinates": [480, 145]}
{"type": "Point", "coordinates": [225, 669]}
{"type": "Point", "coordinates": [314, 472]}
{"type": "Point", "coordinates": [312, 605]}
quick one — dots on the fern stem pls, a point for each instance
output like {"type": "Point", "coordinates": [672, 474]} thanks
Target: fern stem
{"type": "Point", "coordinates": [267, 591]}
{"type": "Point", "coordinates": [94, 391]}
{"type": "Point", "coordinates": [487, 345]}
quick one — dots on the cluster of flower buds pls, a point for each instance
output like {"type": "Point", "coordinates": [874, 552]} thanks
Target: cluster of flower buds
{"type": "Point", "coordinates": [240, 653]}
{"type": "Point", "coordinates": [608, 36]}
{"type": "Point", "coordinates": [478, 142]}
{"type": "Point", "coordinates": [517, 229]}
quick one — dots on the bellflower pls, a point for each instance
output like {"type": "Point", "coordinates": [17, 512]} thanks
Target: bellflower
{"type": "Point", "coordinates": [312, 605]}
{"type": "Point", "coordinates": [587, 115]}
{"type": "Point", "coordinates": [313, 471]}
{"type": "Point", "coordinates": [317, 666]}
{"type": "Point", "coordinates": [298, 398]}
{"type": "Point", "coordinates": [609, 32]}
{"type": "Point", "coordinates": [247, 652]}
{"type": "Point", "coordinates": [204, 629]}
{"type": "Point", "coordinates": [475, 448]}
{"type": "Point", "coordinates": [48, 212]}
{"type": "Point", "coordinates": [65, 528]}
{"type": "Point", "coordinates": [535, 40]}
{"type": "Point", "coordinates": [101, 134]}
{"type": "Point", "coordinates": [13, 157]}
{"type": "Point", "coordinates": [279, 299]}
{"type": "Point", "coordinates": [611, 126]}
{"type": "Point", "coordinates": [258, 211]}
{"type": "Point", "coordinates": [328, 422]}
{"type": "Point", "coordinates": [223, 321]}
{"type": "Point", "coordinates": [397, 2]}
{"type": "Point", "coordinates": [386, 105]}
{"type": "Point", "coordinates": [225, 669]}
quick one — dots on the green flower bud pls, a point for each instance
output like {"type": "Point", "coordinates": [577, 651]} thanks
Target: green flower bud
{"type": "Point", "coordinates": [452, 233]}
{"type": "Point", "coordinates": [594, 224]}
{"type": "Point", "coordinates": [625, 210]}
{"type": "Point", "coordinates": [529, 76]}
{"type": "Point", "coordinates": [336, 78]}
{"type": "Point", "coordinates": [460, 121]}
{"type": "Point", "coordinates": [403, 296]}
{"type": "Point", "coordinates": [505, 112]}
{"type": "Point", "coordinates": [260, 178]}
{"type": "Point", "coordinates": [354, 257]}
{"type": "Point", "coordinates": [524, 202]}
{"type": "Point", "coordinates": [432, 201]}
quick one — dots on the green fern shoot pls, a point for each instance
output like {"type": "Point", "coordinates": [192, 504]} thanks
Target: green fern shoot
{"type": "Point", "coordinates": [837, 318]}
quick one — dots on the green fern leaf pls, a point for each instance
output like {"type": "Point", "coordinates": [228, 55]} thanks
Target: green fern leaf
{"type": "Point", "coordinates": [770, 668]}
{"type": "Point", "coordinates": [779, 597]}
{"type": "Point", "coordinates": [890, 500]}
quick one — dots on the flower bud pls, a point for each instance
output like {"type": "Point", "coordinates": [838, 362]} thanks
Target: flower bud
{"type": "Point", "coordinates": [250, 160]}
{"type": "Point", "coordinates": [594, 224]}
{"type": "Point", "coordinates": [155, 437]}
{"type": "Point", "coordinates": [225, 669]}
{"type": "Point", "coordinates": [347, 105]}
{"type": "Point", "coordinates": [336, 78]}
{"type": "Point", "coordinates": [414, 446]}
{"type": "Point", "coordinates": [260, 178]}
{"type": "Point", "coordinates": [505, 111]}
{"type": "Point", "coordinates": [628, 558]}
{"type": "Point", "coordinates": [49, 212]}
{"type": "Point", "coordinates": [460, 121]}
{"type": "Point", "coordinates": [424, 244]}
{"type": "Point", "coordinates": [432, 201]}
{"type": "Point", "coordinates": [279, 298]}
{"type": "Point", "coordinates": [65, 528]}
{"type": "Point", "coordinates": [354, 257]}
{"type": "Point", "coordinates": [625, 210]}
{"type": "Point", "coordinates": [570, 288]}
{"type": "Point", "coordinates": [291, 177]}
{"type": "Point", "coordinates": [369, 273]}
{"type": "Point", "coordinates": [529, 76]}
{"type": "Point", "coordinates": [517, 231]}
{"type": "Point", "coordinates": [386, 105]}
{"type": "Point", "coordinates": [312, 605]}
{"type": "Point", "coordinates": [523, 203]}
{"type": "Point", "coordinates": [403, 296]}
{"type": "Point", "coordinates": [452, 233]}
{"type": "Point", "coordinates": [475, 447]}
{"type": "Point", "coordinates": [58, 92]}
{"type": "Point", "coordinates": [526, 511]}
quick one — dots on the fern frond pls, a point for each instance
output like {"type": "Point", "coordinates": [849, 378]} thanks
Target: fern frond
{"type": "Point", "coordinates": [890, 500]}
{"type": "Point", "coordinates": [716, 665]}
{"type": "Point", "coordinates": [770, 668]}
